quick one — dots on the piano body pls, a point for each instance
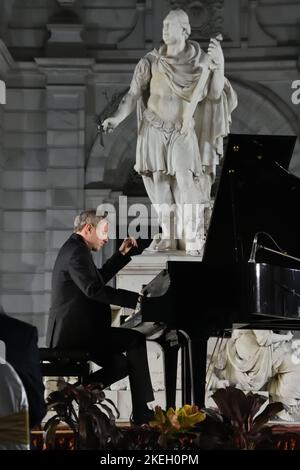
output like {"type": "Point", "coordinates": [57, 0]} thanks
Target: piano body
{"type": "Point", "coordinates": [257, 200]}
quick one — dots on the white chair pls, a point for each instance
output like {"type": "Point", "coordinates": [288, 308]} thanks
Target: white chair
{"type": "Point", "coordinates": [14, 419]}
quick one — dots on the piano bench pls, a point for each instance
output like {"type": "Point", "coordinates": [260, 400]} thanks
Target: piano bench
{"type": "Point", "coordinates": [64, 363]}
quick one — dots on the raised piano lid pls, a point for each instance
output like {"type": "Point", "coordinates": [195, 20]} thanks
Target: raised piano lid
{"type": "Point", "coordinates": [256, 193]}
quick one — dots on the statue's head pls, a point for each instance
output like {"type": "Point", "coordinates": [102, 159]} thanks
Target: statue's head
{"type": "Point", "coordinates": [176, 25]}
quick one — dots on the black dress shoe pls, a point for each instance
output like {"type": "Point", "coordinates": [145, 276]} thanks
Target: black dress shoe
{"type": "Point", "coordinates": [143, 418]}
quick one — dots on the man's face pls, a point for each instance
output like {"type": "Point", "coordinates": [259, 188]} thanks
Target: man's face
{"type": "Point", "coordinates": [173, 32]}
{"type": "Point", "coordinates": [99, 235]}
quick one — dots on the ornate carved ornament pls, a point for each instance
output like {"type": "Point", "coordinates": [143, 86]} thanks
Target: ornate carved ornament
{"type": "Point", "coordinates": [206, 16]}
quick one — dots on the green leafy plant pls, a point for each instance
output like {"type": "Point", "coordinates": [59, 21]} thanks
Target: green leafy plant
{"type": "Point", "coordinates": [248, 426]}
{"type": "Point", "coordinates": [87, 411]}
{"type": "Point", "coordinates": [237, 424]}
{"type": "Point", "coordinates": [176, 426]}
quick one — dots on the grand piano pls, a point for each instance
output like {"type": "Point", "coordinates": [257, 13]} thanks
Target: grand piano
{"type": "Point", "coordinates": [249, 276]}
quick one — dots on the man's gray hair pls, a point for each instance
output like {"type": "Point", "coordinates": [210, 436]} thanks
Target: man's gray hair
{"type": "Point", "coordinates": [88, 216]}
{"type": "Point", "coordinates": [183, 20]}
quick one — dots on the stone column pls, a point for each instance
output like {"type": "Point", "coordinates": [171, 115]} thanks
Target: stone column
{"type": "Point", "coordinates": [6, 63]}
{"type": "Point", "coordinates": [65, 108]}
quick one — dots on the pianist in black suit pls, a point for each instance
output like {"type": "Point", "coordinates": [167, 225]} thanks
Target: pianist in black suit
{"type": "Point", "coordinates": [22, 354]}
{"type": "Point", "coordinates": [80, 314]}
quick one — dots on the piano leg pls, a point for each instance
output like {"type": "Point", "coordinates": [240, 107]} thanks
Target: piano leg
{"type": "Point", "coordinates": [171, 365]}
{"type": "Point", "coordinates": [193, 369]}
{"type": "Point", "coordinates": [170, 370]}
{"type": "Point", "coordinates": [186, 388]}
{"type": "Point", "coordinates": [198, 357]}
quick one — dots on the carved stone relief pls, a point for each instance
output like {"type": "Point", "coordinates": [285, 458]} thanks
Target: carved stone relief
{"type": "Point", "coordinates": [261, 360]}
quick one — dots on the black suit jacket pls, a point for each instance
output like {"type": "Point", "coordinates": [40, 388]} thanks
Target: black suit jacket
{"type": "Point", "coordinates": [22, 353]}
{"type": "Point", "coordinates": [80, 310]}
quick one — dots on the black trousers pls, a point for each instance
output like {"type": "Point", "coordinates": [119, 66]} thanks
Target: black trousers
{"type": "Point", "coordinates": [122, 352]}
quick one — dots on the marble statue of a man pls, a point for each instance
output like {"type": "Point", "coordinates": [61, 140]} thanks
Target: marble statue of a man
{"type": "Point", "coordinates": [184, 106]}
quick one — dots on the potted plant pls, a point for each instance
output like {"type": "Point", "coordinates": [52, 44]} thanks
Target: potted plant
{"type": "Point", "coordinates": [87, 412]}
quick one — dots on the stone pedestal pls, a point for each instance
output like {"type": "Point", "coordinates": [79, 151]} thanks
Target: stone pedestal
{"type": "Point", "coordinates": [143, 268]}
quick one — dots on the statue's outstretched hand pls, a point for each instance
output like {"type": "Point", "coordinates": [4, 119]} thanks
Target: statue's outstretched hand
{"type": "Point", "coordinates": [215, 52]}
{"type": "Point", "coordinates": [109, 124]}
